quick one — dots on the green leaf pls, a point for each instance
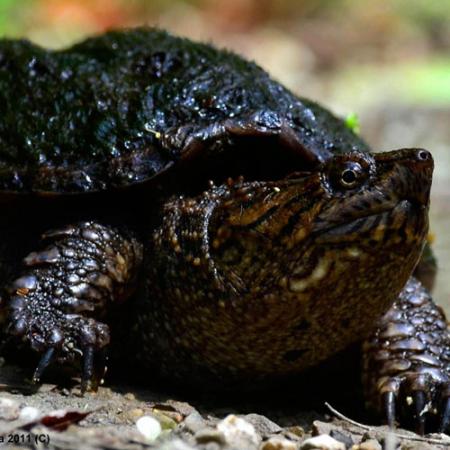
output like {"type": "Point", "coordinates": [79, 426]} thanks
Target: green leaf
{"type": "Point", "coordinates": [352, 122]}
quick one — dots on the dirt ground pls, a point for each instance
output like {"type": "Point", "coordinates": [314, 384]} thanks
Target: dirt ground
{"type": "Point", "coordinates": [56, 417]}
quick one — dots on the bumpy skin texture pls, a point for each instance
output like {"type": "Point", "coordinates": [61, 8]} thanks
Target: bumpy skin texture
{"type": "Point", "coordinates": [265, 258]}
{"type": "Point", "coordinates": [226, 281]}
{"type": "Point", "coordinates": [83, 268]}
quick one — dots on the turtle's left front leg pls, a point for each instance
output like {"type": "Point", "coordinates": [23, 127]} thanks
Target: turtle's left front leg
{"type": "Point", "coordinates": [407, 361]}
{"type": "Point", "coordinates": [64, 291]}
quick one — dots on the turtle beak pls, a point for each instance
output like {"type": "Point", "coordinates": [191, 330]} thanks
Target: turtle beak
{"type": "Point", "coordinates": [414, 168]}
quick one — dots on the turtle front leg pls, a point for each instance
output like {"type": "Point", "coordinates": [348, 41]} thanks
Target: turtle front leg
{"type": "Point", "coordinates": [407, 361]}
{"type": "Point", "coordinates": [66, 287]}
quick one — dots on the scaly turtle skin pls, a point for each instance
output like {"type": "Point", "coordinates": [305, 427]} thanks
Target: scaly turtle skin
{"type": "Point", "coordinates": [130, 147]}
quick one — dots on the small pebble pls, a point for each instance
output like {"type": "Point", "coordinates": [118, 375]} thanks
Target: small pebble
{"type": "Point", "coordinates": [420, 446]}
{"type": "Point", "coordinates": [277, 443]}
{"type": "Point", "coordinates": [181, 407]}
{"type": "Point", "coordinates": [238, 432]}
{"type": "Point", "coordinates": [296, 430]}
{"type": "Point", "coordinates": [263, 426]}
{"type": "Point", "coordinates": [370, 444]}
{"type": "Point", "coordinates": [166, 422]}
{"type": "Point", "coordinates": [149, 427]}
{"type": "Point", "coordinates": [9, 409]}
{"type": "Point", "coordinates": [322, 428]}
{"type": "Point", "coordinates": [322, 442]}
{"type": "Point", "coordinates": [194, 422]}
{"type": "Point", "coordinates": [175, 444]}
{"type": "Point", "coordinates": [29, 413]}
{"type": "Point", "coordinates": [129, 396]}
{"type": "Point", "coordinates": [134, 414]}
{"type": "Point", "coordinates": [345, 438]}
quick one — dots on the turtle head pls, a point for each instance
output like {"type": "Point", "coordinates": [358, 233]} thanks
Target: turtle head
{"type": "Point", "coordinates": [343, 239]}
{"type": "Point", "coordinates": [354, 199]}
{"type": "Point", "coordinates": [376, 200]}
{"type": "Point", "coordinates": [287, 267]}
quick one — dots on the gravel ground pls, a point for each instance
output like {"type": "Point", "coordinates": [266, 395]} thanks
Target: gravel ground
{"type": "Point", "coordinates": [121, 417]}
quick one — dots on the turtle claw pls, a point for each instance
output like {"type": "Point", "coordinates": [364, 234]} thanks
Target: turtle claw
{"type": "Point", "coordinates": [54, 333]}
{"type": "Point", "coordinates": [419, 408]}
{"type": "Point", "coordinates": [392, 400]}
{"type": "Point", "coordinates": [389, 407]}
{"type": "Point", "coordinates": [445, 417]}
{"type": "Point", "coordinates": [420, 403]}
{"type": "Point", "coordinates": [88, 379]}
{"type": "Point", "coordinates": [44, 362]}
{"type": "Point", "coordinates": [88, 369]}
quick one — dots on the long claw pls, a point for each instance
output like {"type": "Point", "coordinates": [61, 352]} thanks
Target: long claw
{"type": "Point", "coordinates": [44, 362]}
{"type": "Point", "coordinates": [445, 418]}
{"type": "Point", "coordinates": [101, 362]}
{"type": "Point", "coordinates": [420, 403]}
{"type": "Point", "coordinates": [88, 368]}
{"type": "Point", "coordinates": [389, 407]}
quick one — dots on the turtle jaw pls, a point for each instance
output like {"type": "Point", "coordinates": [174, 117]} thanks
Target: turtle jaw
{"type": "Point", "coordinates": [405, 224]}
{"type": "Point", "coordinates": [361, 250]}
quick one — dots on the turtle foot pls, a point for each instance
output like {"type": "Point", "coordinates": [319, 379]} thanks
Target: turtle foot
{"type": "Point", "coordinates": [406, 363]}
{"type": "Point", "coordinates": [66, 287]}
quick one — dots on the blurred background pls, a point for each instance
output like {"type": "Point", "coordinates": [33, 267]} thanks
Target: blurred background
{"type": "Point", "coordinates": [386, 60]}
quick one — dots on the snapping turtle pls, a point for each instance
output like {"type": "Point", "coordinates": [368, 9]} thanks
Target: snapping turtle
{"type": "Point", "coordinates": [214, 216]}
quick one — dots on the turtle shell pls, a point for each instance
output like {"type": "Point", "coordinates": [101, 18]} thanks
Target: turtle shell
{"type": "Point", "coordinates": [119, 109]}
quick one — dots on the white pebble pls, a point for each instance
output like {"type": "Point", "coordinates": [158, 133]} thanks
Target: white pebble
{"type": "Point", "coordinates": [7, 402]}
{"type": "Point", "coordinates": [29, 413]}
{"type": "Point", "coordinates": [322, 442]}
{"type": "Point", "coordinates": [149, 427]}
{"type": "Point", "coordinates": [9, 409]}
{"type": "Point", "coordinates": [238, 432]}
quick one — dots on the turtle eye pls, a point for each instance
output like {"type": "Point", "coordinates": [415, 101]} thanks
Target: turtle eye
{"type": "Point", "coordinates": [351, 175]}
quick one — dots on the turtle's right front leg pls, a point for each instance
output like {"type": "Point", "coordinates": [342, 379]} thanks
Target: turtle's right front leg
{"type": "Point", "coordinates": [407, 361]}
{"type": "Point", "coordinates": [67, 286]}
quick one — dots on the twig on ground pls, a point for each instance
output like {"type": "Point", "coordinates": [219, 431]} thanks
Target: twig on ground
{"type": "Point", "coordinates": [376, 429]}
